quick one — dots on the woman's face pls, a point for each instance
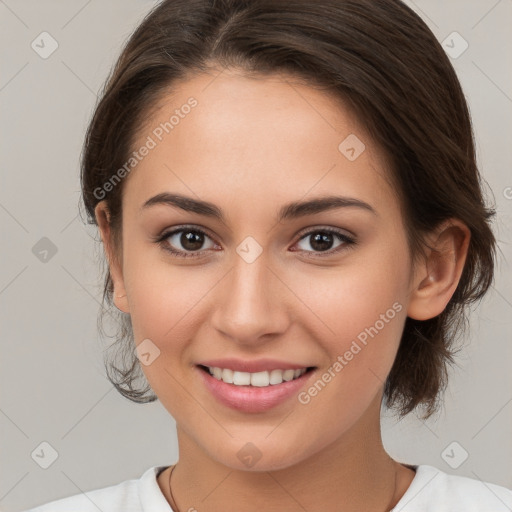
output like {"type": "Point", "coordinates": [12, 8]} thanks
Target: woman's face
{"type": "Point", "coordinates": [323, 287]}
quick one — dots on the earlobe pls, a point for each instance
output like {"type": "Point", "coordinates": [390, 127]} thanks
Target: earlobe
{"type": "Point", "coordinates": [438, 275]}
{"type": "Point", "coordinates": [102, 215]}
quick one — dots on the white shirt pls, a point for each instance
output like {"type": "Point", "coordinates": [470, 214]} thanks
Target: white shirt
{"type": "Point", "coordinates": [431, 490]}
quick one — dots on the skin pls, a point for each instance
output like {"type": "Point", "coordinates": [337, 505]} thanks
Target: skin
{"type": "Point", "coordinates": [250, 146]}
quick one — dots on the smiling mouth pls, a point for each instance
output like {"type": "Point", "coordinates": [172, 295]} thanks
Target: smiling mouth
{"type": "Point", "coordinates": [257, 379]}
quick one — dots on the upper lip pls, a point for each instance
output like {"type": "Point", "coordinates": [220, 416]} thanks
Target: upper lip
{"type": "Point", "coordinates": [257, 365]}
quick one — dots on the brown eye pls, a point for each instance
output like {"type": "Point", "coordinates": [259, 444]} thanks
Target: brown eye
{"type": "Point", "coordinates": [184, 242]}
{"type": "Point", "coordinates": [323, 240]}
{"type": "Point", "coordinates": [191, 240]}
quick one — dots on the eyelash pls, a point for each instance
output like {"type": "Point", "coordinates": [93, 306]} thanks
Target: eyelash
{"type": "Point", "coordinates": [162, 241]}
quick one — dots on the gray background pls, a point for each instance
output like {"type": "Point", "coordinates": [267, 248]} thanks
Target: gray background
{"type": "Point", "coordinates": [53, 387]}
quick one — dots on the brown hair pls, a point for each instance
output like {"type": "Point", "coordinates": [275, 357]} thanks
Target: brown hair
{"type": "Point", "coordinates": [377, 56]}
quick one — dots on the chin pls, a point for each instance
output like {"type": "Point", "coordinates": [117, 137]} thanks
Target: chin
{"type": "Point", "coordinates": [259, 455]}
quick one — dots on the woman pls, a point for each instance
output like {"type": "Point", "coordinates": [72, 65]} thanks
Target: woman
{"type": "Point", "coordinates": [290, 207]}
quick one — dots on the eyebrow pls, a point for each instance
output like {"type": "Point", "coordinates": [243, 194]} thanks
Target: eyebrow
{"type": "Point", "coordinates": [293, 210]}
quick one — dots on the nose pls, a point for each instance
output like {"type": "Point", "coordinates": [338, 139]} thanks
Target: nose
{"type": "Point", "coordinates": [252, 304]}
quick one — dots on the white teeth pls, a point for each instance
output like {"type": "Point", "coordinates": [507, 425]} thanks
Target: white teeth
{"type": "Point", "coordinates": [241, 378]}
{"type": "Point", "coordinates": [288, 374]}
{"type": "Point", "coordinates": [258, 379]}
{"type": "Point", "coordinates": [276, 376]}
{"type": "Point", "coordinates": [227, 375]}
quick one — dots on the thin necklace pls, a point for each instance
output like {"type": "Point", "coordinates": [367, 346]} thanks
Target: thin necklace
{"type": "Point", "coordinates": [173, 504]}
{"type": "Point", "coordinates": [176, 509]}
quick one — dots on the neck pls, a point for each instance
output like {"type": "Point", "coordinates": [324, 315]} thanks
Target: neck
{"type": "Point", "coordinates": [352, 474]}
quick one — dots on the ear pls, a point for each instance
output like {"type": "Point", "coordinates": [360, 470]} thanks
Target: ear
{"type": "Point", "coordinates": [436, 277]}
{"type": "Point", "coordinates": [102, 215]}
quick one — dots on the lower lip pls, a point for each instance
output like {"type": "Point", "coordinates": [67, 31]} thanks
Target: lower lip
{"type": "Point", "coordinates": [253, 398]}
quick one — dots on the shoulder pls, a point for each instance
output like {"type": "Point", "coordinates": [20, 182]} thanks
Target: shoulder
{"type": "Point", "coordinates": [128, 496]}
{"type": "Point", "coordinates": [433, 489]}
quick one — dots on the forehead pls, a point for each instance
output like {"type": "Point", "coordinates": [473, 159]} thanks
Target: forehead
{"type": "Point", "coordinates": [264, 139]}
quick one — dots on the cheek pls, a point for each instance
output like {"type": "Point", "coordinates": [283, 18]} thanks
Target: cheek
{"type": "Point", "coordinates": [362, 308]}
{"type": "Point", "coordinates": [365, 313]}
{"type": "Point", "coordinates": [356, 296]}
{"type": "Point", "coordinates": [165, 302]}
{"type": "Point", "coordinates": [163, 298]}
